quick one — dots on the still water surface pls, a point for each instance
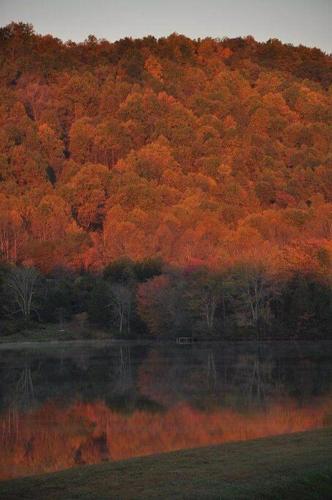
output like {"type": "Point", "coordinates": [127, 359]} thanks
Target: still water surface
{"type": "Point", "coordinates": [66, 405]}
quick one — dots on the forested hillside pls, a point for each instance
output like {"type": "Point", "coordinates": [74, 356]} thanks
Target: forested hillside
{"type": "Point", "coordinates": [198, 152]}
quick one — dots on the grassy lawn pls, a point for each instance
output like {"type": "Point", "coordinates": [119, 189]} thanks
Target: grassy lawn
{"type": "Point", "coordinates": [51, 332]}
{"type": "Point", "coordinates": [296, 466]}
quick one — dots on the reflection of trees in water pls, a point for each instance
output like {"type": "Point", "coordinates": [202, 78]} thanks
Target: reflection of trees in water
{"type": "Point", "coordinates": [231, 376]}
{"type": "Point", "coordinates": [10, 426]}
{"type": "Point", "coordinates": [24, 386]}
{"type": "Point", "coordinates": [22, 398]}
{"type": "Point", "coordinates": [216, 374]}
{"type": "Point", "coordinates": [174, 388]}
{"type": "Point", "coordinates": [120, 392]}
{"type": "Point", "coordinates": [253, 379]}
{"type": "Point", "coordinates": [211, 371]}
{"type": "Point", "coordinates": [125, 380]}
{"type": "Point", "coordinates": [258, 382]}
{"type": "Point", "coordinates": [54, 437]}
{"type": "Point", "coordinates": [82, 360]}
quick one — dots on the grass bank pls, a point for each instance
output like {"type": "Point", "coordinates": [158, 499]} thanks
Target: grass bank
{"type": "Point", "coordinates": [293, 466]}
{"type": "Point", "coordinates": [51, 332]}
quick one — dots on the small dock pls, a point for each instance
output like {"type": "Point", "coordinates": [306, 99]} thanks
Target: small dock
{"type": "Point", "coordinates": [184, 340]}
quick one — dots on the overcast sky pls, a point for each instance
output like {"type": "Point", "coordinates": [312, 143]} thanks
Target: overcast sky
{"type": "Point", "coordinates": [308, 22]}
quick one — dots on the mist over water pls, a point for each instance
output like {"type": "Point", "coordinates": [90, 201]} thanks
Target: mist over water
{"type": "Point", "coordinates": [65, 407]}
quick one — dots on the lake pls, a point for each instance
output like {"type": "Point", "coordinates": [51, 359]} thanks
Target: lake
{"type": "Point", "coordinates": [70, 404]}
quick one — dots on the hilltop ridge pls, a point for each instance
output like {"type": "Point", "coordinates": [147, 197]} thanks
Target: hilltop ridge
{"type": "Point", "coordinates": [207, 151]}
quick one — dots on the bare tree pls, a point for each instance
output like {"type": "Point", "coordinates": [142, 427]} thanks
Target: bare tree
{"type": "Point", "coordinates": [22, 285]}
{"type": "Point", "coordinates": [210, 298]}
{"type": "Point", "coordinates": [205, 294]}
{"type": "Point", "coordinates": [121, 303]}
{"type": "Point", "coordinates": [125, 375]}
{"type": "Point", "coordinates": [258, 289]}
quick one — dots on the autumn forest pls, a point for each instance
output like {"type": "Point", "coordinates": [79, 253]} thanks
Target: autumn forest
{"type": "Point", "coordinates": [166, 186]}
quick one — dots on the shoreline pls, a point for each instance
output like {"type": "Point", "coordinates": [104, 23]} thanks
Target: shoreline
{"type": "Point", "coordinates": [140, 342]}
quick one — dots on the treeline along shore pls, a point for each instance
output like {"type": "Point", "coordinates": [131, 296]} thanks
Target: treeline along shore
{"type": "Point", "coordinates": [150, 299]}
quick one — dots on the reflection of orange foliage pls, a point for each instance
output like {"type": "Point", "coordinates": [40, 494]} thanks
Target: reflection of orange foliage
{"type": "Point", "coordinates": [53, 437]}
